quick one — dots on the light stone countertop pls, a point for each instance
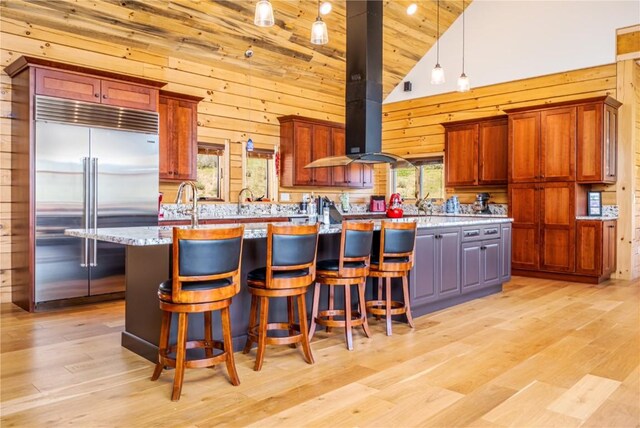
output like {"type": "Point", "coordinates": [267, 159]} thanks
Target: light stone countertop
{"type": "Point", "coordinates": [596, 218]}
{"type": "Point", "coordinates": [162, 235]}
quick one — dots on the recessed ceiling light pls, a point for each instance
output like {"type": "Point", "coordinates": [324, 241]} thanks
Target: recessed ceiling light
{"type": "Point", "coordinates": [412, 9]}
{"type": "Point", "coordinates": [325, 8]}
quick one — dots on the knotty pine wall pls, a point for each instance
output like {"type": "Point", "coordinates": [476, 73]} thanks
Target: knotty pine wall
{"type": "Point", "coordinates": [412, 128]}
{"type": "Point", "coordinates": [235, 106]}
{"type": "Point", "coordinates": [636, 211]}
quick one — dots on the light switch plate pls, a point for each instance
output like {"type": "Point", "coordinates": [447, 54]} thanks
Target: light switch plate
{"type": "Point", "coordinates": [284, 197]}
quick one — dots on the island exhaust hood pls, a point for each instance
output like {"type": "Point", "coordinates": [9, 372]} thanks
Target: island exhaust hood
{"type": "Point", "coordinates": [363, 90]}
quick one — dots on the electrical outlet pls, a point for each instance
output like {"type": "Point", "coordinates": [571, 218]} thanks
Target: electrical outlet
{"type": "Point", "coordinates": [284, 197]}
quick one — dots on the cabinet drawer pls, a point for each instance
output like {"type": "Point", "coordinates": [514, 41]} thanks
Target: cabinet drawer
{"type": "Point", "coordinates": [480, 232]}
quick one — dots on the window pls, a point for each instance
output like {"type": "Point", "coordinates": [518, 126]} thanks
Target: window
{"type": "Point", "coordinates": [209, 163]}
{"type": "Point", "coordinates": [426, 178]}
{"type": "Point", "coordinates": [259, 173]}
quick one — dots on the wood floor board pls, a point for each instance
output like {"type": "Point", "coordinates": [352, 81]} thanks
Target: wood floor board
{"type": "Point", "coordinates": [542, 353]}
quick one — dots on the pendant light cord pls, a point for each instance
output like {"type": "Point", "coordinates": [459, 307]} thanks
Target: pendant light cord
{"type": "Point", "coordinates": [438, 34]}
{"type": "Point", "coordinates": [463, 36]}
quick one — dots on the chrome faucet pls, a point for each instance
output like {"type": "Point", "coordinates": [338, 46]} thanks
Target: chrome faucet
{"type": "Point", "coordinates": [193, 211]}
{"type": "Point", "coordinates": [241, 204]}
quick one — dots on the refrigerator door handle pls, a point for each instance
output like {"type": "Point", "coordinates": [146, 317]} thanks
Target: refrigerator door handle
{"type": "Point", "coordinates": [85, 210]}
{"type": "Point", "coordinates": [94, 209]}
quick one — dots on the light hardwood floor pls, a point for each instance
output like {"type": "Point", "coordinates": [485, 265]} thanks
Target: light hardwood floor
{"type": "Point", "coordinates": [542, 353]}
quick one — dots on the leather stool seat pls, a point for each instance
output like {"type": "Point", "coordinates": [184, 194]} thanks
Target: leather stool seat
{"type": "Point", "coordinates": [260, 274]}
{"type": "Point", "coordinates": [166, 287]}
{"type": "Point", "coordinates": [376, 260]}
{"type": "Point", "coordinates": [332, 264]}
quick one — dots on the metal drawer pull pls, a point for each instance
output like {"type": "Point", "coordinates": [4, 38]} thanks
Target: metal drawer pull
{"type": "Point", "coordinates": [472, 233]}
{"type": "Point", "coordinates": [491, 231]}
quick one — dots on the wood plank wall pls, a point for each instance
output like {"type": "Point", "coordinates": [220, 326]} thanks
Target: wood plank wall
{"type": "Point", "coordinates": [412, 128]}
{"type": "Point", "coordinates": [236, 105]}
{"type": "Point", "coordinates": [636, 144]}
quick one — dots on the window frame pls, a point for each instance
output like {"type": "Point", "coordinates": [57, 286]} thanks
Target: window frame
{"type": "Point", "coordinates": [222, 150]}
{"type": "Point", "coordinates": [419, 164]}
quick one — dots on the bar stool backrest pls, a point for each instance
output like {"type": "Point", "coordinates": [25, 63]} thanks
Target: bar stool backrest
{"type": "Point", "coordinates": [355, 249]}
{"type": "Point", "coordinates": [202, 255]}
{"type": "Point", "coordinates": [396, 247]}
{"type": "Point", "coordinates": [291, 248]}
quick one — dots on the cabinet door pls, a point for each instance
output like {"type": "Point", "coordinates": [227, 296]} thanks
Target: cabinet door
{"type": "Point", "coordinates": [524, 209]}
{"type": "Point", "coordinates": [185, 140]}
{"type": "Point", "coordinates": [490, 262]}
{"type": "Point", "coordinates": [302, 139]}
{"type": "Point", "coordinates": [492, 152]}
{"type": "Point", "coordinates": [339, 173]}
{"type": "Point", "coordinates": [589, 247]}
{"type": "Point", "coordinates": [165, 148]}
{"type": "Point", "coordinates": [609, 243]}
{"type": "Point", "coordinates": [610, 144]}
{"type": "Point", "coordinates": [558, 144]}
{"type": "Point", "coordinates": [524, 147]}
{"type": "Point", "coordinates": [557, 227]}
{"type": "Point", "coordinates": [505, 274]}
{"type": "Point", "coordinates": [422, 276]}
{"type": "Point", "coordinates": [589, 145]}
{"type": "Point", "coordinates": [129, 95]}
{"type": "Point", "coordinates": [367, 176]}
{"type": "Point", "coordinates": [448, 278]}
{"type": "Point", "coordinates": [321, 148]}
{"type": "Point", "coordinates": [67, 85]}
{"type": "Point", "coordinates": [471, 259]}
{"type": "Point", "coordinates": [461, 155]}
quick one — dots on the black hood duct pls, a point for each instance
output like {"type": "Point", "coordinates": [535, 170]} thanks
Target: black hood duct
{"type": "Point", "coordinates": [363, 107]}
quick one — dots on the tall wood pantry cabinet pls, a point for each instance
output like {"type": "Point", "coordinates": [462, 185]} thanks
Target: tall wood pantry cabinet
{"type": "Point", "coordinates": [303, 140]}
{"type": "Point", "coordinates": [553, 150]}
{"type": "Point", "coordinates": [178, 114]}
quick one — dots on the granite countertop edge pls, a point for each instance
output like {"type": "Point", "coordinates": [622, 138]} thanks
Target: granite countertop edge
{"type": "Point", "coordinates": [161, 235]}
{"type": "Point", "coordinates": [596, 218]}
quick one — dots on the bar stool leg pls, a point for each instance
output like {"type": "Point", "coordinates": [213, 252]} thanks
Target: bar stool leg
{"type": "Point", "coordinates": [314, 310]}
{"type": "Point", "coordinates": [208, 335]}
{"type": "Point", "coordinates": [228, 346]}
{"type": "Point", "coordinates": [379, 293]}
{"type": "Point", "coordinates": [163, 344]}
{"type": "Point", "coordinates": [181, 352]}
{"type": "Point", "coordinates": [347, 317]}
{"type": "Point", "coordinates": [331, 303]}
{"type": "Point", "coordinates": [302, 318]}
{"type": "Point", "coordinates": [407, 305]}
{"type": "Point", "coordinates": [252, 323]}
{"type": "Point", "coordinates": [291, 318]}
{"type": "Point", "coordinates": [363, 308]}
{"type": "Point", "coordinates": [262, 332]}
{"type": "Point", "coordinates": [388, 305]}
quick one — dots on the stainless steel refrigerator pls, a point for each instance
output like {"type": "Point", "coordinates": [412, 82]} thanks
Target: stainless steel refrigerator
{"type": "Point", "coordinates": [96, 167]}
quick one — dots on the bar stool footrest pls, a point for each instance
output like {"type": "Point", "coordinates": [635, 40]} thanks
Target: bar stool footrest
{"type": "Point", "coordinates": [279, 340]}
{"type": "Point", "coordinates": [323, 318]}
{"type": "Point", "coordinates": [168, 361]}
{"type": "Point", "coordinates": [378, 307]}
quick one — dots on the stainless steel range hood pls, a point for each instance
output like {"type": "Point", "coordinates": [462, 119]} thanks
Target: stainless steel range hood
{"type": "Point", "coordinates": [363, 90]}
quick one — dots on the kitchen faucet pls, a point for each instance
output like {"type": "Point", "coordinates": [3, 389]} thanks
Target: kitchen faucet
{"type": "Point", "coordinates": [242, 205]}
{"type": "Point", "coordinates": [193, 211]}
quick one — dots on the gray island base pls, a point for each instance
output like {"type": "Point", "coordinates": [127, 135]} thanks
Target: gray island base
{"type": "Point", "coordinates": [457, 259]}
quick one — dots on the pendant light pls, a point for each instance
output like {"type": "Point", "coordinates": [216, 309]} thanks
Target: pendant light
{"type": "Point", "coordinates": [437, 74]}
{"type": "Point", "coordinates": [319, 33]}
{"type": "Point", "coordinates": [264, 14]}
{"type": "Point", "coordinates": [463, 80]}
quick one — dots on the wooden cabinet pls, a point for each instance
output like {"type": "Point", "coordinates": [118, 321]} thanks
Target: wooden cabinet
{"type": "Point", "coordinates": [303, 140]}
{"type": "Point", "coordinates": [88, 88]}
{"type": "Point", "coordinates": [480, 264]}
{"type": "Point", "coordinates": [597, 130]}
{"type": "Point", "coordinates": [178, 136]}
{"type": "Point", "coordinates": [596, 248]}
{"type": "Point", "coordinates": [476, 152]}
{"type": "Point", "coordinates": [543, 226]}
{"type": "Point", "coordinates": [524, 147]}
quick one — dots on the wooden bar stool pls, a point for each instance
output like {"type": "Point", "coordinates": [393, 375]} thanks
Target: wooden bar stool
{"type": "Point", "coordinates": [392, 257]}
{"type": "Point", "coordinates": [206, 275]}
{"type": "Point", "coordinates": [291, 259]}
{"type": "Point", "coordinates": [350, 269]}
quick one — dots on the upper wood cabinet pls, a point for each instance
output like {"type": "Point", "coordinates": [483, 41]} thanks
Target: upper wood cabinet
{"type": "Point", "coordinates": [476, 152]}
{"type": "Point", "coordinates": [88, 88]}
{"type": "Point", "coordinates": [303, 140]}
{"type": "Point", "coordinates": [178, 136]}
{"type": "Point", "coordinates": [597, 131]}
{"type": "Point", "coordinates": [573, 141]}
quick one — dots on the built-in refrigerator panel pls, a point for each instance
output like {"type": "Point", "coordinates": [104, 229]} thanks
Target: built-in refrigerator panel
{"type": "Point", "coordinates": [62, 162]}
{"type": "Point", "coordinates": [125, 172]}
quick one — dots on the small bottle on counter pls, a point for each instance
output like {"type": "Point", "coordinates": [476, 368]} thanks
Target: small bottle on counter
{"type": "Point", "coordinates": [312, 210]}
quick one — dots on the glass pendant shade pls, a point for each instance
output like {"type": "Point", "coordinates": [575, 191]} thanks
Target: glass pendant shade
{"type": "Point", "coordinates": [437, 75]}
{"type": "Point", "coordinates": [463, 83]}
{"type": "Point", "coordinates": [319, 33]}
{"type": "Point", "coordinates": [264, 14]}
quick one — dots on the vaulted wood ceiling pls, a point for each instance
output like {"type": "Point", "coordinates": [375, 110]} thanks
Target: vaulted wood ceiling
{"type": "Point", "coordinates": [217, 33]}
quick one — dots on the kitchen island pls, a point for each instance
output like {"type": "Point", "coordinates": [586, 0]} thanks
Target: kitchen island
{"type": "Point", "coordinates": [457, 259]}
